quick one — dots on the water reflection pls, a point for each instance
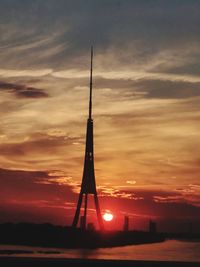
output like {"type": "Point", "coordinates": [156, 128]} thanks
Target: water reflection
{"type": "Point", "coordinates": [170, 250]}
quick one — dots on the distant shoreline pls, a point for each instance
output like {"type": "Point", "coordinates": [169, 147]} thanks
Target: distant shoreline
{"type": "Point", "coordinates": [50, 236]}
{"type": "Point", "coordinates": [46, 235]}
{"type": "Point", "coordinates": [52, 262]}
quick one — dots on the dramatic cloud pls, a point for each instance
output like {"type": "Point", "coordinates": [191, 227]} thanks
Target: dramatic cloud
{"type": "Point", "coordinates": [22, 190]}
{"type": "Point", "coordinates": [49, 197]}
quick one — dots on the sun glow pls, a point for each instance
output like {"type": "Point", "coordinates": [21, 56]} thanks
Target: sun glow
{"type": "Point", "coordinates": [108, 217]}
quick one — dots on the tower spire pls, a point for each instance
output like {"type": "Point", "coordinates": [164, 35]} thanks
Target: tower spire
{"type": "Point", "coordinates": [88, 185]}
{"type": "Point", "coordinates": [91, 69]}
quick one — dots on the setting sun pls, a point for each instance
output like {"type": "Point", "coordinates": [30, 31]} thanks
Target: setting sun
{"type": "Point", "coordinates": [107, 217]}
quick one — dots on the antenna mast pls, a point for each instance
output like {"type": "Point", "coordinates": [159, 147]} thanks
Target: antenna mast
{"type": "Point", "coordinates": [90, 103]}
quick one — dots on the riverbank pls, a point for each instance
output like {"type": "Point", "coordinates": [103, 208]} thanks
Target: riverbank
{"type": "Point", "coordinates": [52, 262]}
{"type": "Point", "coordinates": [50, 236]}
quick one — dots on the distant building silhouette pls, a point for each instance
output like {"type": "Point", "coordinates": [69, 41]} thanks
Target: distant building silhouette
{"type": "Point", "coordinates": [88, 185]}
{"type": "Point", "coordinates": [152, 227]}
{"type": "Point", "coordinates": [126, 223]}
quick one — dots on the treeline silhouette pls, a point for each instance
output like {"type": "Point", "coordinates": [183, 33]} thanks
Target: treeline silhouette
{"type": "Point", "coordinates": [48, 235]}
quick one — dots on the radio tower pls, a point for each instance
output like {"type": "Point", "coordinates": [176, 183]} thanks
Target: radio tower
{"type": "Point", "coordinates": [88, 185]}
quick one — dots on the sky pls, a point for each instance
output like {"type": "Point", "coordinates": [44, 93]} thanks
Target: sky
{"type": "Point", "coordinates": [146, 109]}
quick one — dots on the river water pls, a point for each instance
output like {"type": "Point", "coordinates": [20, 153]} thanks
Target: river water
{"type": "Point", "coordinates": [170, 250]}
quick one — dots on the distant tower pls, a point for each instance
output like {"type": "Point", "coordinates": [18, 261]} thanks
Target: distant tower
{"type": "Point", "coordinates": [126, 223]}
{"type": "Point", "coordinates": [88, 185]}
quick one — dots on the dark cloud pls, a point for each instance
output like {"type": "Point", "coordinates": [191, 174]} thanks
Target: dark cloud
{"type": "Point", "coordinates": [33, 196]}
{"type": "Point", "coordinates": [31, 185]}
{"type": "Point", "coordinates": [149, 88]}
{"type": "Point", "coordinates": [23, 91]}
{"type": "Point", "coordinates": [38, 143]}
{"type": "Point", "coordinates": [168, 89]}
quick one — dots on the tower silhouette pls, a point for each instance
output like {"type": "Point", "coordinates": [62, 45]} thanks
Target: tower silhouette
{"type": "Point", "coordinates": [88, 185]}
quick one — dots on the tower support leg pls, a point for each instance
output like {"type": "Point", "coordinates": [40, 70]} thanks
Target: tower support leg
{"type": "Point", "coordinates": [76, 217]}
{"type": "Point", "coordinates": [85, 212]}
{"type": "Point", "coordinates": [99, 217]}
